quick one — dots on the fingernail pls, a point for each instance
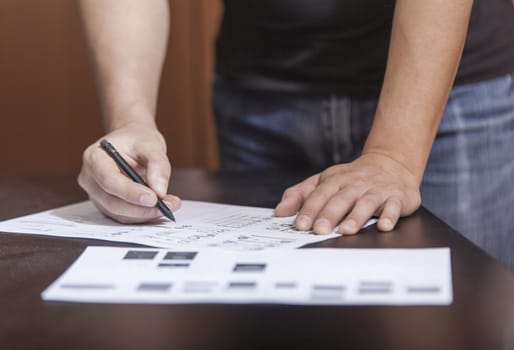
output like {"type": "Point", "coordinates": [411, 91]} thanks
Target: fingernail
{"type": "Point", "coordinates": [162, 186]}
{"type": "Point", "coordinates": [322, 227]}
{"type": "Point", "coordinates": [147, 200]}
{"type": "Point", "coordinates": [349, 226]}
{"type": "Point", "coordinates": [303, 222]}
{"type": "Point", "coordinates": [173, 203]}
{"type": "Point", "coordinates": [387, 225]}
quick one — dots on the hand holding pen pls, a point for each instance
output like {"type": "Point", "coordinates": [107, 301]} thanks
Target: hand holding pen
{"type": "Point", "coordinates": [111, 189]}
{"type": "Point", "coordinates": [122, 163]}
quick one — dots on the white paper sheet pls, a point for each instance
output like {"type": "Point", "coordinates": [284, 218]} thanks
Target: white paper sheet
{"type": "Point", "coordinates": [199, 224]}
{"type": "Point", "coordinates": [304, 276]}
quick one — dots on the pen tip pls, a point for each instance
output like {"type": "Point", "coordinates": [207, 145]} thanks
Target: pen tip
{"type": "Point", "coordinates": [165, 210]}
{"type": "Point", "coordinates": [170, 216]}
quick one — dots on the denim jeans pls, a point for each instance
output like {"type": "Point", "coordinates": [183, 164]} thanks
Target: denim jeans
{"type": "Point", "coordinates": [469, 179]}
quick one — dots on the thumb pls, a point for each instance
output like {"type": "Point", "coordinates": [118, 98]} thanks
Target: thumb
{"type": "Point", "coordinates": [293, 197]}
{"type": "Point", "coordinates": [158, 171]}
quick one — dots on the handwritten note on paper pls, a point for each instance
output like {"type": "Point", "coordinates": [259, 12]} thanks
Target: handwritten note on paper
{"type": "Point", "coordinates": [199, 224]}
{"type": "Point", "coordinates": [302, 276]}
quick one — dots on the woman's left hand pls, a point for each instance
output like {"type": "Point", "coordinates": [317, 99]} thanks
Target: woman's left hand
{"type": "Point", "coordinates": [352, 193]}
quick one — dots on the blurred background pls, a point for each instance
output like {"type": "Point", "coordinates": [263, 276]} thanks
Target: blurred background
{"type": "Point", "coordinates": [48, 104]}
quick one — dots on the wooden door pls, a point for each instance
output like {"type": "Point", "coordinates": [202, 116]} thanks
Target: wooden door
{"type": "Point", "coordinates": [48, 104]}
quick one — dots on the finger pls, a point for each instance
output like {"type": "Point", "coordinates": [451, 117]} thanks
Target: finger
{"type": "Point", "coordinates": [173, 202]}
{"type": "Point", "coordinates": [362, 211]}
{"type": "Point", "coordinates": [333, 212]}
{"type": "Point", "coordinates": [121, 210]}
{"type": "Point", "coordinates": [313, 205]}
{"type": "Point", "coordinates": [390, 214]}
{"type": "Point", "coordinates": [294, 196]}
{"type": "Point", "coordinates": [110, 179]}
{"type": "Point", "coordinates": [291, 201]}
{"type": "Point", "coordinates": [158, 171]}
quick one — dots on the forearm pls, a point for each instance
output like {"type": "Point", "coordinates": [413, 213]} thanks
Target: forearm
{"type": "Point", "coordinates": [426, 45]}
{"type": "Point", "coordinates": [127, 41]}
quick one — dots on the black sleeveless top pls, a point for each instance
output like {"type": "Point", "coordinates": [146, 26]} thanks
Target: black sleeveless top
{"type": "Point", "coordinates": [340, 46]}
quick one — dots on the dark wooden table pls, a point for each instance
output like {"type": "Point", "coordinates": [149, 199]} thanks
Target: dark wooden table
{"type": "Point", "coordinates": [481, 316]}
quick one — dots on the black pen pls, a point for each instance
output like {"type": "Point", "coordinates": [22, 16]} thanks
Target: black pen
{"type": "Point", "coordinates": [122, 163]}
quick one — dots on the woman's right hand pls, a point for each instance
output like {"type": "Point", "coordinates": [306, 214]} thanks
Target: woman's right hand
{"type": "Point", "coordinates": [112, 191]}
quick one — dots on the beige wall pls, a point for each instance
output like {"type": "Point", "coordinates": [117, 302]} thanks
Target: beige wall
{"type": "Point", "coordinates": [48, 105]}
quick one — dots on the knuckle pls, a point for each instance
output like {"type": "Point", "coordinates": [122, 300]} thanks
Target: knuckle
{"type": "Point", "coordinates": [336, 178]}
{"type": "Point", "coordinates": [343, 199]}
{"type": "Point", "coordinates": [358, 183]}
{"type": "Point", "coordinates": [81, 180]}
{"type": "Point", "coordinates": [331, 213]}
{"type": "Point", "coordinates": [106, 182]}
{"type": "Point", "coordinates": [321, 197]}
{"type": "Point", "coordinates": [325, 174]}
{"type": "Point", "coordinates": [291, 191]}
{"type": "Point", "coordinates": [305, 187]}
{"type": "Point", "coordinates": [370, 201]}
{"type": "Point", "coordinates": [395, 191]}
{"type": "Point", "coordinates": [333, 170]}
{"type": "Point", "coordinates": [93, 154]}
{"type": "Point", "coordinates": [395, 202]}
{"type": "Point", "coordinates": [326, 190]}
{"type": "Point", "coordinates": [349, 193]}
{"type": "Point", "coordinates": [86, 155]}
{"type": "Point", "coordinates": [309, 208]}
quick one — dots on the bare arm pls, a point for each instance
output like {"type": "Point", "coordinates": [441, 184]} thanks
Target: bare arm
{"type": "Point", "coordinates": [127, 41]}
{"type": "Point", "coordinates": [426, 45]}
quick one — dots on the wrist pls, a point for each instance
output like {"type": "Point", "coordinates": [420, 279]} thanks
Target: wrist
{"type": "Point", "coordinates": [406, 143]}
{"type": "Point", "coordinates": [138, 132]}
{"type": "Point", "coordinates": [137, 116]}
{"type": "Point", "coordinates": [415, 169]}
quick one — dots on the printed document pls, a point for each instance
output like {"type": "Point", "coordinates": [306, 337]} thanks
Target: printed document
{"type": "Point", "coordinates": [199, 224]}
{"type": "Point", "coordinates": [312, 276]}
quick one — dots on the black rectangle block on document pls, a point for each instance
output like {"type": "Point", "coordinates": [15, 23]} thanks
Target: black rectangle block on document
{"type": "Point", "coordinates": [153, 287]}
{"type": "Point", "coordinates": [385, 290]}
{"type": "Point", "coordinates": [285, 285]}
{"type": "Point", "coordinates": [87, 286]}
{"type": "Point", "coordinates": [174, 265]}
{"type": "Point", "coordinates": [140, 255]}
{"type": "Point", "coordinates": [375, 287]}
{"type": "Point", "coordinates": [423, 290]}
{"type": "Point", "coordinates": [180, 255]}
{"type": "Point", "coordinates": [242, 285]}
{"type": "Point", "coordinates": [328, 288]}
{"type": "Point", "coordinates": [249, 268]}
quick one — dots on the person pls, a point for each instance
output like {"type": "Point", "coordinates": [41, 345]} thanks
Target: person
{"type": "Point", "coordinates": [400, 103]}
